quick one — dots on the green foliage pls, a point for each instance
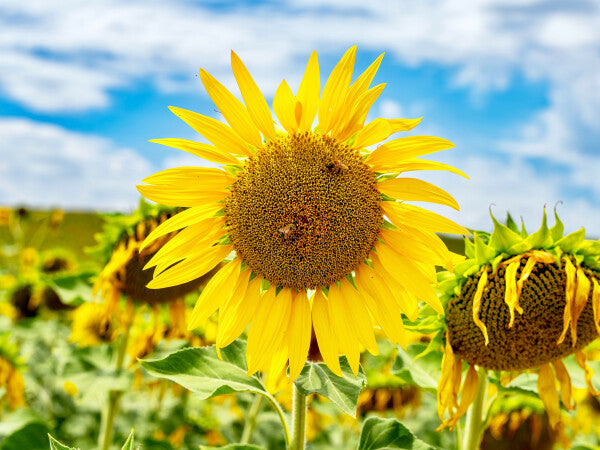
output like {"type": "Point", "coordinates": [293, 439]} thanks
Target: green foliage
{"type": "Point", "coordinates": [380, 433]}
{"type": "Point", "coordinates": [343, 391]}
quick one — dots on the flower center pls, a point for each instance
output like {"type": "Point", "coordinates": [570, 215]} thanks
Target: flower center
{"type": "Point", "coordinates": [532, 340]}
{"type": "Point", "coordinates": [304, 212]}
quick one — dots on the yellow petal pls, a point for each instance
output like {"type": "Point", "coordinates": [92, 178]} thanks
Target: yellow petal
{"type": "Point", "coordinates": [201, 235]}
{"type": "Point", "coordinates": [405, 148]}
{"type": "Point", "coordinates": [276, 378]}
{"type": "Point", "coordinates": [407, 302]}
{"type": "Point", "coordinates": [191, 268]}
{"type": "Point", "coordinates": [411, 249]}
{"type": "Point", "coordinates": [347, 339]}
{"type": "Point", "coordinates": [362, 83]}
{"type": "Point", "coordinates": [445, 401]}
{"type": "Point", "coordinates": [359, 113]}
{"type": "Point", "coordinates": [570, 292]}
{"type": "Point", "coordinates": [408, 165]}
{"type": "Point", "coordinates": [548, 394]}
{"type": "Point", "coordinates": [380, 129]}
{"type": "Point", "coordinates": [255, 101]}
{"type": "Point", "coordinates": [596, 303]}
{"type": "Point", "coordinates": [267, 328]}
{"type": "Point", "coordinates": [187, 177]}
{"type": "Point", "coordinates": [377, 298]}
{"type": "Point", "coordinates": [298, 334]}
{"type": "Point", "coordinates": [170, 196]}
{"type": "Point", "coordinates": [232, 109]}
{"type": "Point", "coordinates": [216, 132]}
{"type": "Point", "coordinates": [581, 296]}
{"type": "Point", "coordinates": [469, 390]}
{"type": "Point", "coordinates": [589, 373]}
{"type": "Point", "coordinates": [328, 342]}
{"type": "Point", "coordinates": [216, 292]}
{"type": "Point", "coordinates": [238, 311]}
{"type": "Point", "coordinates": [564, 380]}
{"type": "Point", "coordinates": [510, 294]}
{"type": "Point", "coordinates": [309, 92]}
{"type": "Point", "coordinates": [400, 214]}
{"type": "Point", "coordinates": [204, 151]}
{"type": "Point", "coordinates": [477, 305]}
{"type": "Point", "coordinates": [335, 91]}
{"type": "Point", "coordinates": [284, 105]}
{"type": "Point", "coordinates": [412, 189]}
{"type": "Point", "coordinates": [356, 312]}
{"type": "Point", "coordinates": [181, 220]}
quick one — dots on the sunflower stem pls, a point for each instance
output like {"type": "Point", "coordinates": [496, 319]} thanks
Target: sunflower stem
{"type": "Point", "coordinates": [114, 397]}
{"type": "Point", "coordinates": [251, 419]}
{"type": "Point", "coordinates": [299, 406]}
{"type": "Point", "coordinates": [475, 416]}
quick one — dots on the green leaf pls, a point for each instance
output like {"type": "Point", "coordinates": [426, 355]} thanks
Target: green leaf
{"type": "Point", "coordinates": [417, 372]}
{"type": "Point", "coordinates": [558, 229]}
{"type": "Point", "coordinates": [571, 242]}
{"type": "Point", "coordinates": [55, 445]}
{"type": "Point", "coordinates": [128, 445]}
{"type": "Point", "coordinates": [33, 436]}
{"type": "Point", "coordinates": [503, 238]}
{"type": "Point", "coordinates": [378, 433]}
{"type": "Point", "coordinates": [201, 371]}
{"type": "Point", "coordinates": [72, 289]}
{"type": "Point", "coordinates": [343, 391]}
{"type": "Point", "coordinates": [541, 238]}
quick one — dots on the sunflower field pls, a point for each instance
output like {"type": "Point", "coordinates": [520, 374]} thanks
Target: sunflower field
{"type": "Point", "coordinates": [292, 296]}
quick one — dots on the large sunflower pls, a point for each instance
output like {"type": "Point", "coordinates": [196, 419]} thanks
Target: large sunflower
{"type": "Point", "coordinates": [520, 302]}
{"type": "Point", "coordinates": [299, 212]}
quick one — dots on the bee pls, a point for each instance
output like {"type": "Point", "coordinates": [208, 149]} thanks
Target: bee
{"type": "Point", "coordinates": [286, 231]}
{"type": "Point", "coordinates": [336, 166]}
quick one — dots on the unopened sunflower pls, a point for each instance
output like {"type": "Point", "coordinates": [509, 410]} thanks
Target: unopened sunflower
{"type": "Point", "coordinates": [298, 212]}
{"type": "Point", "coordinates": [521, 302]}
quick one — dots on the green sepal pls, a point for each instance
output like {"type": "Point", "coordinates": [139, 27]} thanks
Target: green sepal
{"type": "Point", "coordinates": [462, 268]}
{"type": "Point", "coordinates": [541, 238]}
{"type": "Point", "coordinates": [497, 260]}
{"type": "Point", "coordinates": [558, 229]}
{"type": "Point", "coordinates": [523, 231]}
{"type": "Point", "coordinates": [483, 253]}
{"type": "Point", "coordinates": [232, 169]}
{"type": "Point", "coordinates": [503, 238]}
{"type": "Point", "coordinates": [510, 223]}
{"type": "Point", "coordinates": [592, 262]}
{"type": "Point", "coordinates": [571, 242]}
{"type": "Point", "coordinates": [469, 248]}
{"type": "Point", "coordinates": [590, 248]}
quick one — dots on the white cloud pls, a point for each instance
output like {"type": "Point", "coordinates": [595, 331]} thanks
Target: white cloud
{"type": "Point", "coordinates": [46, 165]}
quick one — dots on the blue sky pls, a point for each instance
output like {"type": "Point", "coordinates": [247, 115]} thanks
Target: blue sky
{"type": "Point", "coordinates": [514, 84]}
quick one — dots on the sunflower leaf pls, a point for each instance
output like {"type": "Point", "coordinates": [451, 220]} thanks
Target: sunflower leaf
{"type": "Point", "coordinates": [343, 391]}
{"type": "Point", "coordinates": [56, 445]}
{"type": "Point", "coordinates": [201, 371]}
{"type": "Point", "coordinates": [378, 433]}
{"type": "Point", "coordinates": [417, 372]}
{"type": "Point", "coordinates": [128, 445]}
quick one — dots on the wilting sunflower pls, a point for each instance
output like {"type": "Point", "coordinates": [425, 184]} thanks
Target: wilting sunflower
{"type": "Point", "coordinates": [300, 211]}
{"type": "Point", "coordinates": [521, 302]}
{"type": "Point", "coordinates": [12, 386]}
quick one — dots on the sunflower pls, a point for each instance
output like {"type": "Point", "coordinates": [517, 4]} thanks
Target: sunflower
{"type": "Point", "coordinates": [12, 386]}
{"type": "Point", "coordinates": [520, 302]}
{"type": "Point", "coordinates": [92, 324]}
{"type": "Point", "coordinates": [300, 212]}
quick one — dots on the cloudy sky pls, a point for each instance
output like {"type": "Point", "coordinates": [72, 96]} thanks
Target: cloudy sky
{"type": "Point", "coordinates": [515, 84]}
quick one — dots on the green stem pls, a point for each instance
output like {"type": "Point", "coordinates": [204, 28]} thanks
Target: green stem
{"type": "Point", "coordinates": [298, 420]}
{"type": "Point", "coordinates": [114, 397]}
{"type": "Point", "coordinates": [277, 407]}
{"type": "Point", "coordinates": [251, 419]}
{"type": "Point", "coordinates": [475, 423]}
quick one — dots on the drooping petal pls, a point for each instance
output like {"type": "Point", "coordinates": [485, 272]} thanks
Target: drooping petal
{"type": "Point", "coordinates": [413, 189]}
{"type": "Point", "coordinates": [469, 390]}
{"type": "Point", "coordinates": [564, 380]}
{"type": "Point", "coordinates": [405, 148]}
{"type": "Point", "coordinates": [546, 387]}
{"type": "Point", "coordinates": [191, 268]}
{"type": "Point", "coordinates": [216, 132]}
{"type": "Point", "coordinates": [510, 295]}
{"type": "Point", "coordinates": [284, 105]}
{"type": "Point", "coordinates": [477, 305]}
{"type": "Point", "coordinates": [326, 339]}
{"type": "Point", "coordinates": [309, 92]}
{"type": "Point", "coordinates": [596, 303]}
{"type": "Point", "coordinates": [589, 373]}
{"type": "Point", "coordinates": [255, 101]}
{"type": "Point", "coordinates": [232, 109]}
{"type": "Point", "coordinates": [380, 129]}
{"type": "Point", "coordinates": [298, 333]}
{"type": "Point", "coordinates": [570, 292]}
{"type": "Point", "coordinates": [216, 292]}
{"type": "Point", "coordinates": [204, 151]}
{"type": "Point", "coordinates": [581, 296]}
